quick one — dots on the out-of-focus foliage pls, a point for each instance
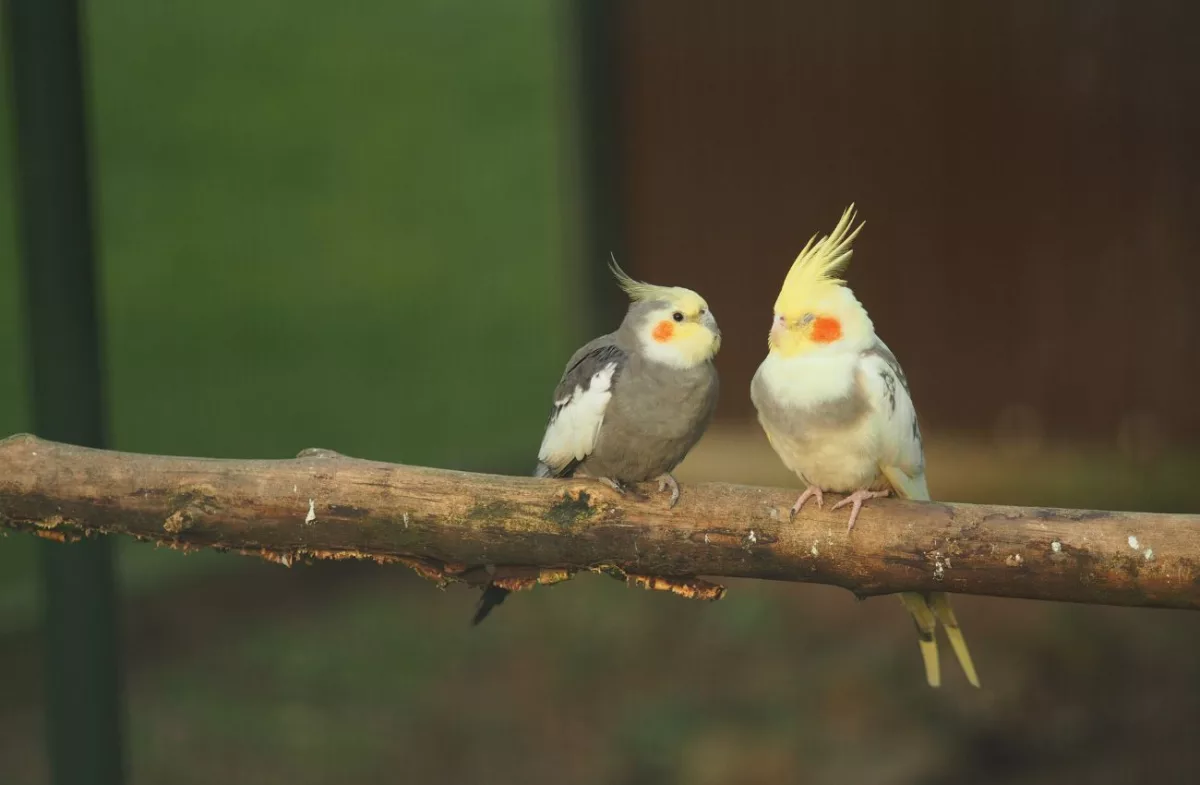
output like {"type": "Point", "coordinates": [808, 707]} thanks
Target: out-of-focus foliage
{"type": "Point", "coordinates": [316, 226]}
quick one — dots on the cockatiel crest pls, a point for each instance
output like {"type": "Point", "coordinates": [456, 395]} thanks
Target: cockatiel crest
{"type": "Point", "coordinates": [640, 291]}
{"type": "Point", "coordinates": [815, 308]}
{"type": "Point", "coordinates": [811, 278]}
{"type": "Point", "coordinates": [682, 330]}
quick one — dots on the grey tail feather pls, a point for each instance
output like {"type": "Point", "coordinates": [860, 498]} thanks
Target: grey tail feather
{"type": "Point", "coordinates": [493, 595]}
{"type": "Point", "coordinates": [543, 470]}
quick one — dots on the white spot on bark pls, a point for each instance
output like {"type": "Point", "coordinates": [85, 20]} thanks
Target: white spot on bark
{"type": "Point", "coordinates": [406, 520]}
{"type": "Point", "coordinates": [813, 550]}
{"type": "Point", "coordinates": [706, 538]}
{"type": "Point", "coordinates": [312, 512]}
{"type": "Point", "coordinates": [295, 489]}
{"type": "Point", "coordinates": [1056, 546]}
{"type": "Point", "coordinates": [940, 564]}
{"type": "Point", "coordinates": [1133, 542]}
{"type": "Point", "coordinates": [1014, 560]}
{"type": "Point", "coordinates": [753, 537]}
{"type": "Point", "coordinates": [1149, 554]}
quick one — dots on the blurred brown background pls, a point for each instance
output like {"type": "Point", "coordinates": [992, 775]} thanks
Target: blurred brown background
{"type": "Point", "coordinates": [301, 207]}
{"type": "Point", "coordinates": [1029, 175]}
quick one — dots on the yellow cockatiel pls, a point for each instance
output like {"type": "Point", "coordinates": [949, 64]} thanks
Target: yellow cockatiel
{"type": "Point", "coordinates": [837, 410]}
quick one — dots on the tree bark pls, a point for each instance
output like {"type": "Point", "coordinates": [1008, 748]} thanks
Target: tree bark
{"type": "Point", "coordinates": [519, 531]}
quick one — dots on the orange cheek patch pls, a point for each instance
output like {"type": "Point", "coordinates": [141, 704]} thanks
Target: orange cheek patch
{"type": "Point", "coordinates": [663, 331]}
{"type": "Point", "coordinates": [826, 329]}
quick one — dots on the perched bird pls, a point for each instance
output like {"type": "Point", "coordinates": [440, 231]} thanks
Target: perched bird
{"type": "Point", "coordinates": [837, 410]}
{"type": "Point", "coordinates": [631, 404]}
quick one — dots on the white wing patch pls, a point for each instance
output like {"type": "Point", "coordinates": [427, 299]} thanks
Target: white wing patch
{"type": "Point", "coordinates": [572, 433]}
{"type": "Point", "coordinates": [900, 445]}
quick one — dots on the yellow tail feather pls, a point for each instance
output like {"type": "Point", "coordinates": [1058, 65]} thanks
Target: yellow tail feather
{"type": "Point", "coordinates": [941, 606]}
{"type": "Point", "coordinates": [905, 488]}
{"type": "Point", "coordinates": [926, 635]}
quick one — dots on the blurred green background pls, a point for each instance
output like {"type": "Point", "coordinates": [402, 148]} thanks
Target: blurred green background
{"type": "Point", "coordinates": [310, 244]}
{"type": "Point", "coordinates": [314, 244]}
{"type": "Point", "coordinates": [351, 227]}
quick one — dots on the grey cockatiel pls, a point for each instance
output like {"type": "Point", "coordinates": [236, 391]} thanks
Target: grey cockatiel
{"type": "Point", "coordinates": [836, 408]}
{"type": "Point", "coordinates": [632, 403]}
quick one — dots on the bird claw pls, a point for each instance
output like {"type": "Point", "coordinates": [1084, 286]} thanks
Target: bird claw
{"type": "Point", "coordinates": [622, 488]}
{"type": "Point", "coordinates": [857, 498]}
{"type": "Point", "coordinates": [811, 492]}
{"type": "Point", "coordinates": [666, 481]}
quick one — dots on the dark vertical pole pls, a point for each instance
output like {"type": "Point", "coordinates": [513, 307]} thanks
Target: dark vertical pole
{"type": "Point", "coordinates": [593, 37]}
{"type": "Point", "coordinates": [82, 677]}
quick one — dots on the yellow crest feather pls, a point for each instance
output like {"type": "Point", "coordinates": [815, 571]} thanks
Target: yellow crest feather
{"type": "Point", "coordinates": [639, 291]}
{"type": "Point", "coordinates": [813, 272]}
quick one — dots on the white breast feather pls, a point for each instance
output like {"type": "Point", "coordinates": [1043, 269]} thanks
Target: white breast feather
{"type": "Point", "coordinates": [572, 434]}
{"type": "Point", "coordinates": [807, 381]}
{"type": "Point", "coordinates": [843, 460]}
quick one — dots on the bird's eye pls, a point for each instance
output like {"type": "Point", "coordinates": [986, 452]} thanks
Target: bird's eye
{"type": "Point", "coordinates": [677, 316]}
{"type": "Point", "coordinates": [808, 317]}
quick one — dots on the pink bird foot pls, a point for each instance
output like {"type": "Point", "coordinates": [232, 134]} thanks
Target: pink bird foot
{"type": "Point", "coordinates": [810, 492]}
{"type": "Point", "coordinates": [857, 498]}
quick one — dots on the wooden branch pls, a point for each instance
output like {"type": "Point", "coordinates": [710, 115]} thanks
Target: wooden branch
{"type": "Point", "coordinates": [520, 531]}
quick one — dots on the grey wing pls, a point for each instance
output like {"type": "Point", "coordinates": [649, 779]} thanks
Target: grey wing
{"type": "Point", "coordinates": [580, 402]}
